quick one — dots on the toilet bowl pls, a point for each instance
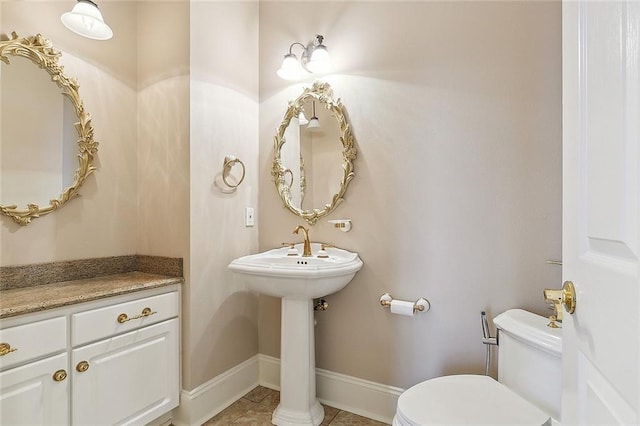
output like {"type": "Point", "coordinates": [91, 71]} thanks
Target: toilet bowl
{"type": "Point", "coordinates": [527, 391]}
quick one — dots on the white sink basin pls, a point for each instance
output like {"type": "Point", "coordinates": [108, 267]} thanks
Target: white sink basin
{"type": "Point", "coordinates": [274, 273]}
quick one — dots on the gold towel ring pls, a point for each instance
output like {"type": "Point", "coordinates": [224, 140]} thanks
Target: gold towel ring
{"type": "Point", "coordinates": [229, 162]}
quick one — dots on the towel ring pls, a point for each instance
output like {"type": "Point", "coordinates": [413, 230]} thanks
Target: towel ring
{"type": "Point", "coordinates": [229, 162]}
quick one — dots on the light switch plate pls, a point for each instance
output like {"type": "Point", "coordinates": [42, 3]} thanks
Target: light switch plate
{"type": "Point", "coordinates": [248, 216]}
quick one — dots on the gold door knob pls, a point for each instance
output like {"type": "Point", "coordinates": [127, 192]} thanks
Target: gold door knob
{"type": "Point", "coordinates": [566, 297]}
{"type": "Point", "coordinates": [82, 366]}
{"type": "Point", "coordinates": [59, 375]}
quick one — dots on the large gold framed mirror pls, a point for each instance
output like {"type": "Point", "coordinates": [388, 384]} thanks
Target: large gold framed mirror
{"type": "Point", "coordinates": [314, 151]}
{"type": "Point", "coordinates": [41, 132]}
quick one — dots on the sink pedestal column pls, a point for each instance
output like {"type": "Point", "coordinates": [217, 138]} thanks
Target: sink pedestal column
{"type": "Point", "coordinates": [298, 403]}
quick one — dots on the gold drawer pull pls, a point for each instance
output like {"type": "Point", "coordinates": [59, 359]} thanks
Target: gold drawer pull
{"type": "Point", "coordinates": [6, 348]}
{"type": "Point", "coordinates": [146, 312]}
{"type": "Point", "coordinates": [59, 375]}
{"type": "Point", "coordinates": [82, 366]}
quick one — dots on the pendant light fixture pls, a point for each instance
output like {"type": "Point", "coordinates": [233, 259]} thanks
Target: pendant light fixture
{"type": "Point", "coordinates": [314, 59]}
{"type": "Point", "coordinates": [314, 123]}
{"type": "Point", "coordinates": [85, 19]}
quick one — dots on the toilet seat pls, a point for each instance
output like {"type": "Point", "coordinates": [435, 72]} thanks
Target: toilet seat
{"type": "Point", "coordinates": [465, 400]}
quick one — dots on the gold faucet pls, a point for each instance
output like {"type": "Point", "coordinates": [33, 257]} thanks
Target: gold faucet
{"type": "Point", "coordinates": [306, 251]}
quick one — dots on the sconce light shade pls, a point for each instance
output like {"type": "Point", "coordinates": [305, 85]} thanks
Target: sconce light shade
{"type": "Point", "coordinates": [320, 61]}
{"type": "Point", "coordinates": [291, 69]}
{"type": "Point", "coordinates": [85, 19]}
{"type": "Point", "coordinates": [302, 120]}
{"type": "Point", "coordinates": [314, 59]}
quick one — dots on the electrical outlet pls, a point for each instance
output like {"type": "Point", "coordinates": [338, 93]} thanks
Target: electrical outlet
{"type": "Point", "coordinates": [248, 216]}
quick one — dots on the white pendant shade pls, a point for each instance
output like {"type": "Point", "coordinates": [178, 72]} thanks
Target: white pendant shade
{"type": "Point", "coordinates": [291, 68]}
{"type": "Point", "coordinates": [85, 19]}
{"type": "Point", "coordinates": [314, 123]}
{"type": "Point", "coordinates": [302, 120]}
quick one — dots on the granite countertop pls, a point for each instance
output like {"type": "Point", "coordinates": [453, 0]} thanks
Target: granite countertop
{"type": "Point", "coordinates": [38, 298]}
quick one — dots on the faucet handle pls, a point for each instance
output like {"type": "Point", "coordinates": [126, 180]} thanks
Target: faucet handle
{"type": "Point", "coordinates": [292, 249]}
{"type": "Point", "coordinates": [322, 253]}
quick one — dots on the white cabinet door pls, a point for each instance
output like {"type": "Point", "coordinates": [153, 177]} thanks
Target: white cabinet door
{"type": "Point", "coordinates": [601, 217]}
{"type": "Point", "coordinates": [130, 379]}
{"type": "Point", "coordinates": [29, 395]}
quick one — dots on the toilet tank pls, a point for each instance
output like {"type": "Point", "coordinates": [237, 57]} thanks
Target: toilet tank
{"type": "Point", "coordinates": [529, 358]}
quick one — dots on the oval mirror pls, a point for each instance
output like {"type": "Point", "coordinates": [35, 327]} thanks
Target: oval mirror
{"type": "Point", "coordinates": [46, 137]}
{"type": "Point", "coordinates": [314, 151]}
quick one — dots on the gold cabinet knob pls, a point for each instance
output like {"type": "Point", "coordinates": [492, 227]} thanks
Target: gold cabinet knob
{"type": "Point", "coordinates": [59, 375]}
{"type": "Point", "coordinates": [82, 366]}
{"type": "Point", "coordinates": [6, 348]}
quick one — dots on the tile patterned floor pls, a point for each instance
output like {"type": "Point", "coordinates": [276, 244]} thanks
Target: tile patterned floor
{"type": "Point", "coordinates": [255, 409]}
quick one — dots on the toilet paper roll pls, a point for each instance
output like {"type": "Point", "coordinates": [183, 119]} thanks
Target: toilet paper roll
{"type": "Point", "coordinates": [402, 307]}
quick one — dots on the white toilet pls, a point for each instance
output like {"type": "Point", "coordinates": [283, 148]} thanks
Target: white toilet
{"type": "Point", "coordinates": [527, 392]}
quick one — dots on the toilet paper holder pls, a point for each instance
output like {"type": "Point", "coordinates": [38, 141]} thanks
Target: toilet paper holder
{"type": "Point", "coordinates": [421, 305]}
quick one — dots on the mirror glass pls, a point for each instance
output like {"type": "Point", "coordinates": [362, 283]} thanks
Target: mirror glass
{"type": "Point", "coordinates": [46, 137]}
{"type": "Point", "coordinates": [314, 154]}
{"type": "Point", "coordinates": [36, 161]}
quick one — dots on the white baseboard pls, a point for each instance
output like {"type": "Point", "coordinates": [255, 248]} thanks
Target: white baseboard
{"type": "Point", "coordinates": [207, 400]}
{"type": "Point", "coordinates": [269, 371]}
{"type": "Point", "coordinates": [363, 397]}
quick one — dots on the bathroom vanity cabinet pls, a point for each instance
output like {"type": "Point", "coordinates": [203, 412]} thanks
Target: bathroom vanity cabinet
{"type": "Point", "coordinates": [110, 361]}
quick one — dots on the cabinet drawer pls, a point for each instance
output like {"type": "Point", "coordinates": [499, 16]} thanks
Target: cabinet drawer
{"type": "Point", "coordinates": [33, 340]}
{"type": "Point", "coordinates": [104, 322]}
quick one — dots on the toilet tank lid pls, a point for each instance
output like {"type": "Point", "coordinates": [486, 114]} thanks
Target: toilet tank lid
{"type": "Point", "coordinates": [530, 328]}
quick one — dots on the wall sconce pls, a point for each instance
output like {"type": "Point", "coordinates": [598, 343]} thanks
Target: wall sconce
{"type": "Point", "coordinates": [85, 19]}
{"type": "Point", "coordinates": [302, 120]}
{"type": "Point", "coordinates": [314, 59]}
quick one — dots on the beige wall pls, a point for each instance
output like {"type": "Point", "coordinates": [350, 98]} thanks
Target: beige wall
{"type": "Point", "coordinates": [456, 110]}
{"type": "Point", "coordinates": [223, 330]}
{"type": "Point", "coordinates": [163, 141]}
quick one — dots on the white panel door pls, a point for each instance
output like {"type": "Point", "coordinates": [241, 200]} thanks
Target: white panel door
{"type": "Point", "coordinates": [29, 395]}
{"type": "Point", "coordinates": [601, 192]}
{"type": "Point", "coordinates": [131, 379]}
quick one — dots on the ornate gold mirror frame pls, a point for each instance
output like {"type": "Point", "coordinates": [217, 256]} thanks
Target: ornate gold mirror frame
{"type": "Point", "coordinates": [41, 52]}
{"type": "Point", "coordinates": [320, 92]}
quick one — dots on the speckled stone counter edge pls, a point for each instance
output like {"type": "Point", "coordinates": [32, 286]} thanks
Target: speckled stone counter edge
{"type": "Point", "coordinates": [36, 274]}
{"type": "Point", "coordinates": [25, 300]}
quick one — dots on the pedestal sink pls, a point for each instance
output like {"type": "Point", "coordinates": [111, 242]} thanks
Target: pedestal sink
{"type": "Point", "coordinates": [297, 280]}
